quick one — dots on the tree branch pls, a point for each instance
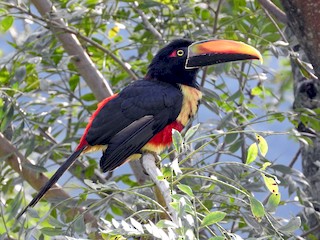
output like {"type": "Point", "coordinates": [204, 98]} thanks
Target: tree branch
{"type": "Point", "coordinates": [148, 161]}
{"type": "Point", "coordinates": [71, 44]}
{"type": "Point", "coordinates": [146, 23]}
{"type": "Point", "coordinates": [18, 163]}
{"type": "Point", "coordinates": [274, 10]}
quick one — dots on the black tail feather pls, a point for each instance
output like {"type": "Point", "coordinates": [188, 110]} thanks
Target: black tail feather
{"type": "Point", "coordinates": [56, 176]}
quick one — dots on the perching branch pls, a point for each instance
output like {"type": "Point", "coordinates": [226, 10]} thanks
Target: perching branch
{"type": "Point", "coordinates": [148, 161]}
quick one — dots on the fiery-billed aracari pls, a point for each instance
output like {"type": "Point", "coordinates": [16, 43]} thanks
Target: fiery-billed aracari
{"type": "Point", "coordinates": [141, 117]}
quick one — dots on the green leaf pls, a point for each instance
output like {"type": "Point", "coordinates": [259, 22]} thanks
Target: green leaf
{"type": "Point", "coordinates": [236, 145]}
{"type": "Point", "coordinates": [35, 168]}
{"type": "Point", "coordinates": [230, 138]}
{"type": "Point", "coordinates": [235, 96]}
{"type": "Point", "coordinates": [166, 224]}
{"type": "Point", "coordinates": [55, 222]}
{"type": "Point", "coordinates": [51, 231]}
{"type": "Point", "coordinates": [282, 168]}
{"type": "Point", "coordinates": [252, 153]}
{"type": "Point", "coordinates": [217, 238]}
{"type": "Point", "coordinates": [33, 213]}
{"type": "Point", "coordinates": [213, 218]}
{"type": "Point", "coordinates": [73, 82]}
{"type": "Point", "coordinates": [191, 131]}
{"type": "Point", "coordinates": [186, 189]}
{"type": "Point", "coordinates": [291, 226]}
{"type": "Point", "coordinates": [6, 23]}
{"type": "Point", "coordinates": [273, 202]}
{"type": "Point", "coordinates": [79, 224]}
{"type": "Point", "coordinates": [14, 205]}
{"type": "Point", "coordinates": [92, 2]}
{"type": "Point", "coordinates": [262, 144]}
{"type": "Point", "coordinates": [256, 91]}
{"type": "Point", "coordinates": [4, 76]}
{"type": "Point", "coordinates": [30, 146]}
{"type": "Point", "coordinates": [305, 71]}
{"type": "Point", "coordinates": [257, 208]}
{"type": "Point", "coordinates": [6, 121]}
{"type": "Point", "coordinates": [205, 14]}
{"type": "Point", "coordinates": [32, 79]}
{"type": "Point", "coordinates": [177, 140]}
{"type": "Point", "coordinates": [116, 210]}
{"type": "Point", "coordinates": [88, 97]}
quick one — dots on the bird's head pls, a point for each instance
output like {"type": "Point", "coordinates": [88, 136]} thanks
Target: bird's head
{"type": "Point", "coordinates": [180, 60]}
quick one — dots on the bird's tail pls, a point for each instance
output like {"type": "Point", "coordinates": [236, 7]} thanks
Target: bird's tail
{"type": "Point", "coordinates": [64, 167]}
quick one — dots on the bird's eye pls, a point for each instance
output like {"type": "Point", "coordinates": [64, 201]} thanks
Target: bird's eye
{"type": "Point", "coordinates": [180, 53]}
{"type": "Point", "coordinates": [177, 53]}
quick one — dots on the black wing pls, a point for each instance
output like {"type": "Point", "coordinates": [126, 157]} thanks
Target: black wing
{"type": "Point", "coordinates": [127, 122]}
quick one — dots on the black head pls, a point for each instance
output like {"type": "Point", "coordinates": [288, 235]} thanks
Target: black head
{"type": "Point", "coordinates": [179, 61]}
{"type": "Point", "coordinates": [169, 64]}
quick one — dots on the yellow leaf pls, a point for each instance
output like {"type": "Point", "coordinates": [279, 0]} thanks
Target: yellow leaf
{"type": "Point", "coordinates": [113, 32]}
{"type": "Point", "coordinates": [262, 144]}
{"type": "Point", "coordinates": [265, 165]}
{"type": "Point", "coordinates": [271, 184]}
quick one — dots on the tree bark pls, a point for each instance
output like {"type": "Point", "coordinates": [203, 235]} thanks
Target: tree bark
{"type": "Point", "coordinates": [303, 20]}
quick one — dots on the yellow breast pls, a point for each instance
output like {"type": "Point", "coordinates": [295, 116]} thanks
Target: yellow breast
{"type": "Point", "coordinates": [190, 103]}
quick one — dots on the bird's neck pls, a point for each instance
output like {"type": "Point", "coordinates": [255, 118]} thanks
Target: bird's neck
{"type": "Point", "coordinates": [190, 103]}
{"type": "Point", "coordinates": [176, 80]}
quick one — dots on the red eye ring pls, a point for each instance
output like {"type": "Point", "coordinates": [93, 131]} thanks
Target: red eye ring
{"type": "Point", "coordinates": [173, 54]}
{"type": "Point", "coordinates": [177, 53]}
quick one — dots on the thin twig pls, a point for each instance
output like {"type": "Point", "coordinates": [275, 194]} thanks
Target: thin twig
{"type": "Point", "coordinates": [274, 10]}
{"type": "Point", "coordinates": [277, 26]}
{"type": "Point", "coordinates": [316, 229]}
{"type": "Point", "coordinates": [295, 158]}
{"type": "Point", "coordinates": [147, 23]}
{"type": "Point", "coordinates": [219, 152]}
{"type": "Point", "coordinates": [215, 25]}
{"type": "Point", "coordinates": [204, 75]}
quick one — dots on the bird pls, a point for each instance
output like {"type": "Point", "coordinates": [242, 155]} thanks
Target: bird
{"type": "Point", "coordinates": [140, 118]}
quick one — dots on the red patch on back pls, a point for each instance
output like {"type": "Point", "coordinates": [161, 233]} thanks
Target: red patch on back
{"type": "Point", "coordinates": [83, 141]}
{"type": "Point", "coordinates": [164, 137]}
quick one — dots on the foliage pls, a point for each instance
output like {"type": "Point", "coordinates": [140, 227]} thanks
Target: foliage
{"type": "Point", "coordinates": [223, 187]}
